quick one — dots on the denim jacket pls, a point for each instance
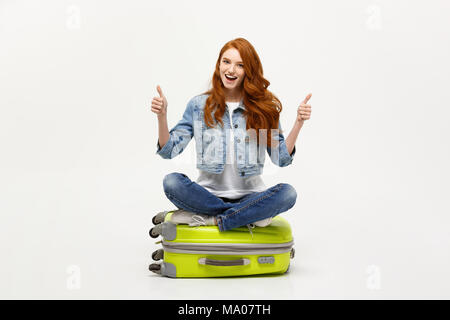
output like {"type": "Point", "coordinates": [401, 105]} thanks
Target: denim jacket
{"type": "Point", "coordinates": [211, 143]}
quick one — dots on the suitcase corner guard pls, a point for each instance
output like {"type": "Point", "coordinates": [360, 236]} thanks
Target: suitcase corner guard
{"type": "Point", "coordinates": [168, 270]}
{"type": "Point", "coordinates": [169, 231]}
{"type": "Point", "coordinates": [165, 269]}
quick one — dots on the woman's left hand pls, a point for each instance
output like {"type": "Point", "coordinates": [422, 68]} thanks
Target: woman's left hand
{"type": "Point", "coordinates": [304, 110]}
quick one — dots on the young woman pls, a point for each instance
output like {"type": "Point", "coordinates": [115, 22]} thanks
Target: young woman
{"type": "Point", "coordinates": [233, 124]}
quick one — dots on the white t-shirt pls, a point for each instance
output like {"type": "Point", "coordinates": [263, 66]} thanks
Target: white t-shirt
{"type": "Point", "coordinates": [229, 184]}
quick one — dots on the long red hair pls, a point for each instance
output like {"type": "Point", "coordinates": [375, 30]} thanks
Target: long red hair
{"type": "Point", "coordinates": [262, 108]}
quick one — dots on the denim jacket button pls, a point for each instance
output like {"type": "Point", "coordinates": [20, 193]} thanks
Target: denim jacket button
{"type": "Point", "coordinates": [235, 125]}
{"type": "Point", "coordinates": [238, 140]}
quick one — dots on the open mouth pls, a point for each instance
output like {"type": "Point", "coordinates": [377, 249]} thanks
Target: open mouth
{"type": "Point", "coordinates": [230, 78]}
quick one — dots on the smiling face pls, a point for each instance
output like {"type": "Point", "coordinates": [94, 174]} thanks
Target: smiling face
{"type": "Point", "coordinates": [232, 71]}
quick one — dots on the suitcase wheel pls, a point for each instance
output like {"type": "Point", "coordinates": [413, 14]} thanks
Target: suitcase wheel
{"type": "Point", "coordinates": [159, 218]}
{"type": "Point", "coordinates": [155, 267]}
{"type": "Point", "coordinates": [155, 231]}
{"type": "Point", "coordinates": [158, 254]}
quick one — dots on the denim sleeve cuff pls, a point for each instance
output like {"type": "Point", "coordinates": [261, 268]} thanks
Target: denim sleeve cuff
{"type": "Point", "coordinates": [293, 152]}
{"type": "Point", "coordinates": [285, 157]}
{"type": "Point", "coordinates": [165, 151]}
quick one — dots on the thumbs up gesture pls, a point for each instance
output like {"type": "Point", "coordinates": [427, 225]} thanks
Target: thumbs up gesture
{"type": "Point", "coordinates": [304, 110]}
{"type": "Point", "coordinates": [159, 104]}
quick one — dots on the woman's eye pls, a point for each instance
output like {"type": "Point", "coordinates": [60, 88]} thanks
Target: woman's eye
{"type": "Point", "coordinates": [227, 62]}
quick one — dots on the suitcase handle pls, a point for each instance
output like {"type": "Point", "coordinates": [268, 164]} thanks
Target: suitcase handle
{"type": "Point", "coordinates": [223, 263]}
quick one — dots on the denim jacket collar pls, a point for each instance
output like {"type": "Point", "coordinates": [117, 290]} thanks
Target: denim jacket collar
{"type": "Point", "coordinates": [241, 105]}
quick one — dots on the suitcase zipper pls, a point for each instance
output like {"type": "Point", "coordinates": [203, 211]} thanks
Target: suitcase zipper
{"type": "Point", "coordinates": [227, 249]}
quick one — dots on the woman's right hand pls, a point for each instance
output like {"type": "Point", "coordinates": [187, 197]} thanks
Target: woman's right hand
{"type": "Point", "coordinates": [159, 104]}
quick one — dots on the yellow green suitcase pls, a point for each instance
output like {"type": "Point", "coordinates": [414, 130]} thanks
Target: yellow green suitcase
{"type": "Point", "coordinates": [206, 252]}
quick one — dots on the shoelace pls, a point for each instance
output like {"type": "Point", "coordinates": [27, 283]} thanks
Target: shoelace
{"type": "Point", "coordinates": [197, 221]}
{"type": "Point", "coordinates": [250, 227]}
{"type": "Point", "coordinates": [201, 221]}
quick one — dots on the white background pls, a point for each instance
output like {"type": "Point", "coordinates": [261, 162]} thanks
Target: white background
{"type": "Point", "coordinates": [80, 180]}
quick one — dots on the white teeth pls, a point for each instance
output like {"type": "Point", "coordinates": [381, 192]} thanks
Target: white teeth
{"type": "Point", "coordinates": [229, 77]}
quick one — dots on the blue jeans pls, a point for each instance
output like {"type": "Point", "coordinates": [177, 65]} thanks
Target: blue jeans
{"type": "Point", "coordinates": [190, 196]}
